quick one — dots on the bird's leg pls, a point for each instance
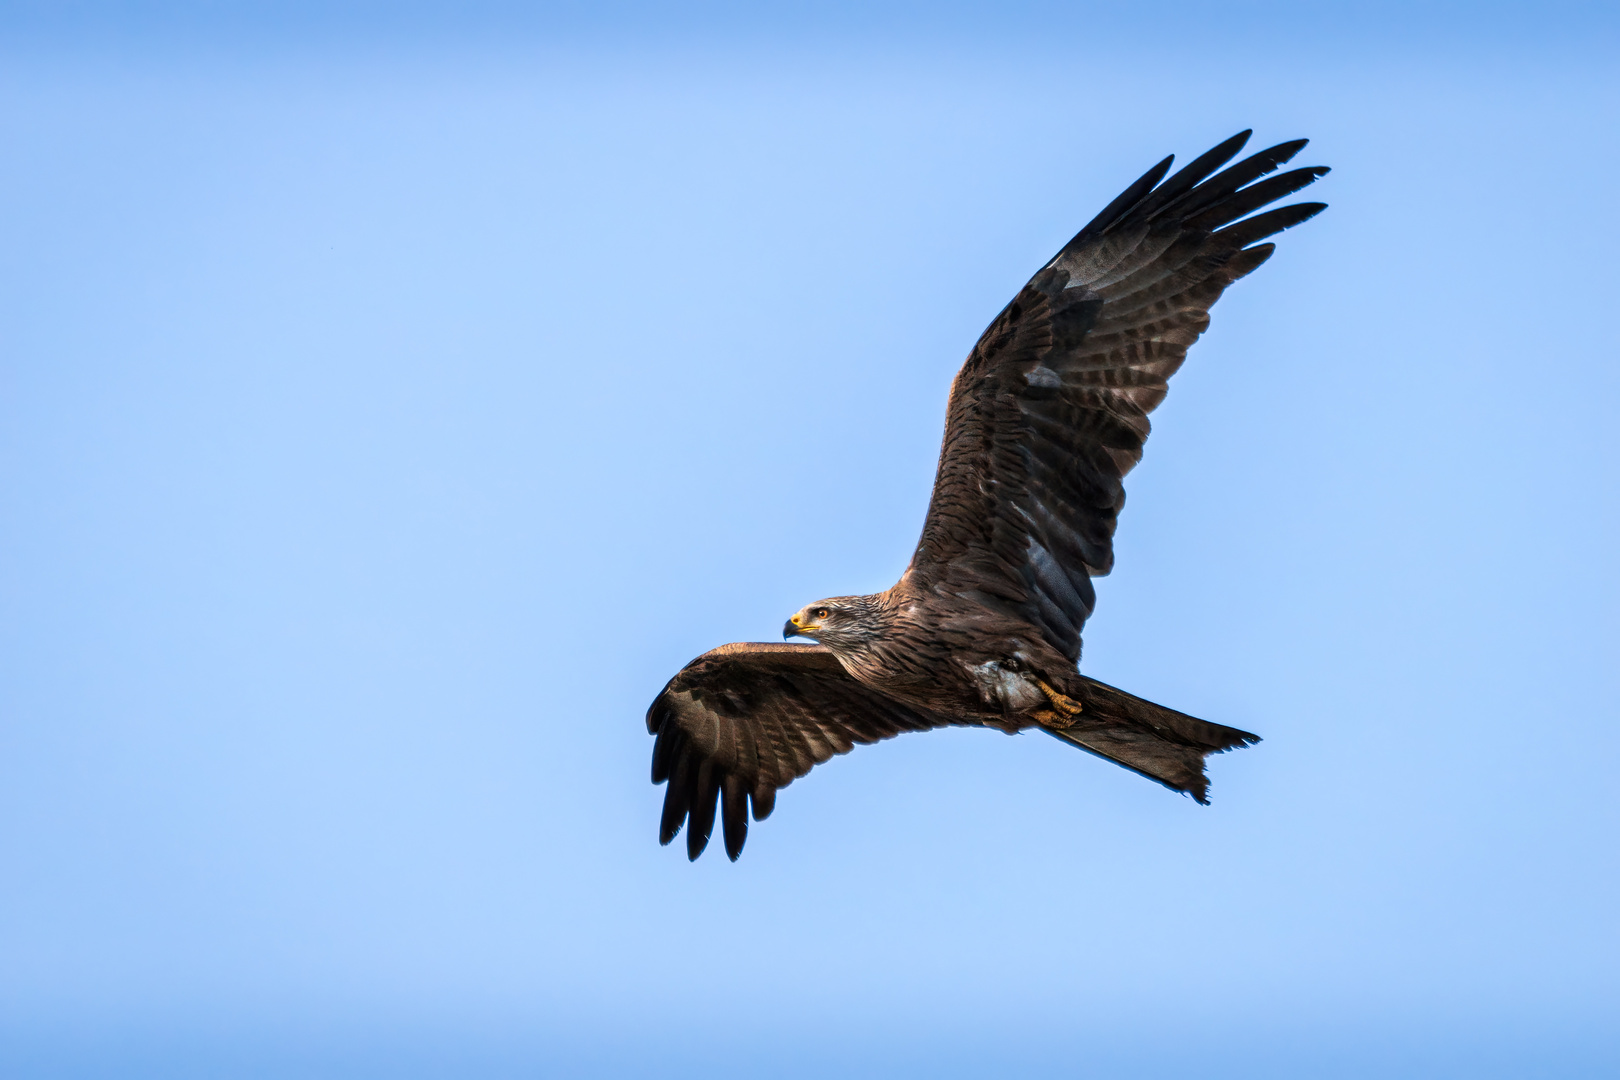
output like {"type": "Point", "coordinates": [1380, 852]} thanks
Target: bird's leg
{"type": "Point", "coordinates": [1064, 711]}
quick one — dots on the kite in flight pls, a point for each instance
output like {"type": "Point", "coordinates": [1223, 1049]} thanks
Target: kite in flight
{"type": "Point", "coordinates": [1046, 417]}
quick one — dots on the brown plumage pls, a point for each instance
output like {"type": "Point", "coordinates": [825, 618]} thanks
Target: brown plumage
{"type": "Point", "coordinates": [1046, 417]}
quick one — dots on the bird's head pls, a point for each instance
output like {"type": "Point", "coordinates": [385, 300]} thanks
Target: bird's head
{"type": "Point", "coordinates": [838, 622]}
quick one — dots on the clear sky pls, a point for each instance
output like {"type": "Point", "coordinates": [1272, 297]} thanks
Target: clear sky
{"type": "Point", "coordinates": [392, 399]}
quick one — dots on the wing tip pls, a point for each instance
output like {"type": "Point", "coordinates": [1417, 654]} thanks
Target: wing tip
{"type": "Point", "coordinates": [697, 842]}
{"type": "Point", "coordinates": [657, 713]}
{"type": "Point", "coordinates": [1242, 741]}
{"type": "Point", "coordinates": [1250, 229]}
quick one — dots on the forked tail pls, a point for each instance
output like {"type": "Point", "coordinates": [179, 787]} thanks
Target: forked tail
{"type": "Point", "coordinates": [1159, 743]}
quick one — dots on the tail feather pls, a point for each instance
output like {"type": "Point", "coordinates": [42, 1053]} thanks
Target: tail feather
{"type": "Point", "coordinates": [1160, 743]}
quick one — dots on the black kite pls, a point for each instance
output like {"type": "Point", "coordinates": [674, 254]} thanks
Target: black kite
{"type": "Point", "coordinates": [1046, 417]}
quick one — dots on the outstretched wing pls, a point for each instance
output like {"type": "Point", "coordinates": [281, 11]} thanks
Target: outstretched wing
{"type": "Point", "coordinates": [746, 719]}
{"type": "Point", "coordinates": [1050, 410]}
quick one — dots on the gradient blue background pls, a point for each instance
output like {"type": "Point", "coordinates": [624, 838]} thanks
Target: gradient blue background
{"type": "Point", "coordinates": [392, 398]}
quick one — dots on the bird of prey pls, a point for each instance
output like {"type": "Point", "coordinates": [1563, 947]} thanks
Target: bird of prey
{"type": "Point", "coordinates": [1046, 416]}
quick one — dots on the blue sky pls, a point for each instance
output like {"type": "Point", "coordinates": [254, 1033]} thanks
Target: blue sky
{"type": "Point", "coordinates": [390, 401]}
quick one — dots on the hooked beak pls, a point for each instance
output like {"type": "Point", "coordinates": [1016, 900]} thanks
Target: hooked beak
{"type": "Point", "coordinates": [791, 628]}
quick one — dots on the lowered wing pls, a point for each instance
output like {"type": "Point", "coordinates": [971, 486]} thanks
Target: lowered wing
{"type": "Point", "coordinates": [746, 719]}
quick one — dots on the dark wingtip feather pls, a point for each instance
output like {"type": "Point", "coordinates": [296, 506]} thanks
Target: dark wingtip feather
{"type": "Point", "coordinates": [1192, 174]}
{"type": "Point", "coordinates": [734, 815]}
{"type": "Point", "coordinates": [701, 819]}
{"type": "Point", "coordinates": [1284, 152]}
{"type": "Point", "coordinates": [1255, 196]}
{"type": "Point", "coordinates": [677, 799]}
{"type": "Point", "coordinates": [1270, 223]}
{"type": "Point", "coordinates": [1272, 157]}
{"type": "Point", "coordinates": [696, 842]}
{"type": "Point", "coordinates": [1124, 201]}
{"type": "Point", "coordinates": [1243, 739]}
{"type": "Point", "coordinates": [665, 751]}
{"type": "Point", "coordinates": [1225, 182]}
{"type": "Point", "coordinates": [669, 826]}
{"type": "Point", "coordinates": [1248, 260]}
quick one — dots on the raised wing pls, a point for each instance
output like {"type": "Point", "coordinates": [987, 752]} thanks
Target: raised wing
{"type": "Point", "coordinates": [743, 720]}
{"type": "Point", "coordinates": [1050, 410]}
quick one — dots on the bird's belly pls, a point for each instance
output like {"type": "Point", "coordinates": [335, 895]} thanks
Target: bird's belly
{"type": "Point", "coordinates": [984, 692]}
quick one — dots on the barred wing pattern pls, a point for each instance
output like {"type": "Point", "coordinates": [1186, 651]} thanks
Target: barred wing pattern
{"type": "Point", "coordinates": [746, 719]}
{"type": "Point", "coordinates": [1050, 410]}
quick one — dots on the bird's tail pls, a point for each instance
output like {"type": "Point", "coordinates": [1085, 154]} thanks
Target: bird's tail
{"type": "Point", "coordinates": [1159, 743]}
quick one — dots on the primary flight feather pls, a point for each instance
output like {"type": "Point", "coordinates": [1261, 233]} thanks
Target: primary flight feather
{"type": "Point", "coordinates": [1046, 417]}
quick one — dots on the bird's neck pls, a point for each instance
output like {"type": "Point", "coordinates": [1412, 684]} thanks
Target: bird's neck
{"type": "Point", "coordinates": [863, 652]}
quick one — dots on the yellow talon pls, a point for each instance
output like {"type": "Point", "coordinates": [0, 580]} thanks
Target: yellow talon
{"type": "Point", "coordinates": [1064, 708]}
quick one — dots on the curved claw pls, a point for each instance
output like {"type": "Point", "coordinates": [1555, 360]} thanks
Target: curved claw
{"type": "Point", "coordinates": [1064, 711]}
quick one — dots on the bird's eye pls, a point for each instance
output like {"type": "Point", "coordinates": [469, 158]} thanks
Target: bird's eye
{"type": "Point", "coordinates": [821, 613]}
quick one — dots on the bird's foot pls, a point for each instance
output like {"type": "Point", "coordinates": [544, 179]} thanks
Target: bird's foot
{"type": "Point", "coordinates": [1063, 713]}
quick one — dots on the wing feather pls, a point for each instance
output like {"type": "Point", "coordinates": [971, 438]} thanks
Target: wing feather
{"type": "Point", "coordinates": [745, 720]}
{"type": "Point", "coordinates": [1050, 410]}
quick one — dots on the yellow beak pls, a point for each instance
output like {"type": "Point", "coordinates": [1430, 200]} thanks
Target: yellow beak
{"type": "Point", "coordinates": [795, 627]}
